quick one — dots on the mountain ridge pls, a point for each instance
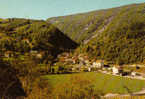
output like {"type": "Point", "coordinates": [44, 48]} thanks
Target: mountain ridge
{"type": "Point", "coordinates": [77, 26]}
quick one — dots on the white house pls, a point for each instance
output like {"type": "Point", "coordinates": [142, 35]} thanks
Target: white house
{"type": "Point", "coordinates": [98, 64]}
{"type": "Point", "coordinates": [133, 74]}
{"type": "Point", "coordinates": [115, 70]}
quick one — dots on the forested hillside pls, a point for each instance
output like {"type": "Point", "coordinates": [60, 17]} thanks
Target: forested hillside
{"type": "Point", "coordinates": [21, 36]}
{"type": "Point", "coordinates": [81, 27]}
{"type": "Point", "coordinates": [116, 34]}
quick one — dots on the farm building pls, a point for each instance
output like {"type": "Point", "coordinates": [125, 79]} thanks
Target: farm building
{"type": "Point", "coordinates": [98, 64]}
{"type": "Point", "coordinates": [115, 70]}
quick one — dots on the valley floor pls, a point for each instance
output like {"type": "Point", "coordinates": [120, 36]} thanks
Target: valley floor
{"type": "Point", "coordinates": [102, 82]}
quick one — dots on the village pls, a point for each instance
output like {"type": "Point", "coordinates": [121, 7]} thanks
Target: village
{"type": "Point", "coordinates": [81, 63]}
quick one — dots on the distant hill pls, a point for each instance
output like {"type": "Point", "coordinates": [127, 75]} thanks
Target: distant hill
{"type": "Point", "coordinates": [116, 34]}
{"type": "Point", "coordinates": [23, 35]}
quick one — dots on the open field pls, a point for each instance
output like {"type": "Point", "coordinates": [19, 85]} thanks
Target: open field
{"type": "Point", "coordinates": [101, 82]}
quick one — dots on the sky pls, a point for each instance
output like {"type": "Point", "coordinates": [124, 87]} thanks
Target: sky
{"type": "Point", "coordinates": [43, 9]}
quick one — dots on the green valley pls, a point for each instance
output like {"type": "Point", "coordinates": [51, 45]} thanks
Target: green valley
{"type": "Point", "coordinates": [79, 56]}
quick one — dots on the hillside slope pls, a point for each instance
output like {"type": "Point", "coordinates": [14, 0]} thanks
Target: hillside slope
{"type": "Point", "coordinates": [116, 34]}
{"type": "Point", "coordinates": [23, 36]}
{"type": "Point", "coordinates": [82, 27]}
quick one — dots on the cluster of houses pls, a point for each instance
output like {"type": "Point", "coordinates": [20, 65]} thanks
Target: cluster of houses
{"type": "Point", "coordinates": [83, 63]}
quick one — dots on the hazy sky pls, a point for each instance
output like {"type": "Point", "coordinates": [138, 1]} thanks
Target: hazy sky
{"type": "Point", "coordinates": [42, 9]}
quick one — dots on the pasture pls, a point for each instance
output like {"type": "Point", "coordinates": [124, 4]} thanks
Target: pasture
{"type": "Point", "coordinates": [101, 82]}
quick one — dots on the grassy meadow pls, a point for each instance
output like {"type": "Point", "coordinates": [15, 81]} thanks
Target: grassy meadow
{"type": "Point", "coordinates": [101, 82]}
